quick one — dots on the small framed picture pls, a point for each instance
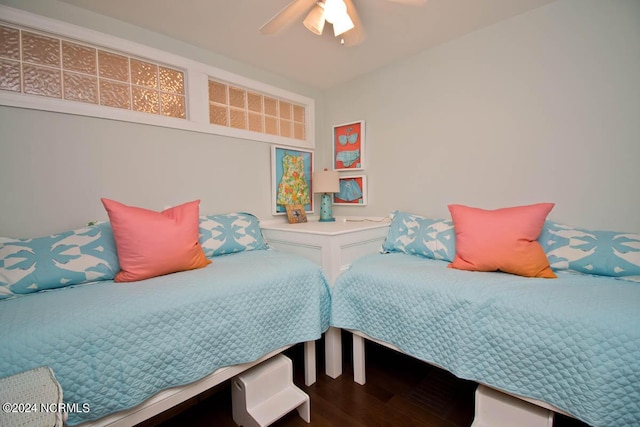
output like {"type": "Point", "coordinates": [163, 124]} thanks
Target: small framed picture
{"type": "Point", "coordinates": [353, 191]}
{"type": "Point", "coordinates": [296, 214]}
{"type": "Point", "coordinates": [348, 146]}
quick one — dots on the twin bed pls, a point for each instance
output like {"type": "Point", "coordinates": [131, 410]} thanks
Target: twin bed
{"type": "Point", "coordinates": [131, 350]}
{"type": "Point", "coordinates": [573, 342]}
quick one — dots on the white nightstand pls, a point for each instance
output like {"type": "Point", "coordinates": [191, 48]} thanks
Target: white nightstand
{"type": "Point", "coordinates": [334, 246]}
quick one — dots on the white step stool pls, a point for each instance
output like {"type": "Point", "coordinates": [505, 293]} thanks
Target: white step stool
{"type": "Point", "coordinates": [497, 409]}
{"type": "Point", "coordinates": [263, 394]}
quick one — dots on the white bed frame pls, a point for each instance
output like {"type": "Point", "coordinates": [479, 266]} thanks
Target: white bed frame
{"type": "Point", "coordinates": [169, 398]}
{"type": "Point", "coordinates": [493, 407]}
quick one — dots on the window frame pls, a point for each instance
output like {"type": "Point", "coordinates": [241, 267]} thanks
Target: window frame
{"type": "Point", "coordinates": [196, 85]}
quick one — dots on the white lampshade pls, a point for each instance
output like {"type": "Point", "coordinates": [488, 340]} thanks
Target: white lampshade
{"type": "Point", "coordinates": [326, 182]}
{"type": "Point", "coordinates": [315, 19]}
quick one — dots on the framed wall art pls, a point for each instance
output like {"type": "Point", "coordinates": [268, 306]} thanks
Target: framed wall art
{"type": "Point", "coordinates": [291, 172]}
{"type": "Point", "coordinates": [349, 146]}
{"type": "Point", "coordinates": [353, 191]}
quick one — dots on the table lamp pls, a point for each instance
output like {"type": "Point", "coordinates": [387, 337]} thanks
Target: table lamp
{"type": "Point", "coordinates": [326, 182]}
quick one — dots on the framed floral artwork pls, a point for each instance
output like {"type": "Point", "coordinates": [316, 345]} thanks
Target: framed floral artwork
{"type": "Point", "coordinates": [291, 172]}
{"type": "Point", "coordinates": [349, 146]}
{"type": "Point", "coordinates": [353, 191]}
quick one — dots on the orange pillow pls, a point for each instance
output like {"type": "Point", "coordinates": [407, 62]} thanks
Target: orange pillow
{"type": "Point", "coordinates": [501, 240]}
{"type": "Point", "coordinates": [151, 243]}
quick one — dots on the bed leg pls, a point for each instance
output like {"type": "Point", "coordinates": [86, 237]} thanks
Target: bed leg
{"type": "Point", "coordinates": [333, 352]}
{"type": "Point", "coordinates": [359, 375]}
{"type": "Point", "coordinates": [309, 362]}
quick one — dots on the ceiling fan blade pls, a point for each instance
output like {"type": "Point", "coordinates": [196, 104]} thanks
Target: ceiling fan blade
{"type": "Point", "coordinates": [410, 2]}
{"type": "Point", "coordinates": [290, 14]}
{"type": "Point", "coordinates": [356, 35]}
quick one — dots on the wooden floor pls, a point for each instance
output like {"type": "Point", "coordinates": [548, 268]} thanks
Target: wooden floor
{"type": "Point", "coordinates": [400, 391]}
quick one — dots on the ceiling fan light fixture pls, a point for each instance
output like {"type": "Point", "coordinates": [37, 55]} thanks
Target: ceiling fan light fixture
{"type": "Point", "coordinates": [334, 10]}
{"type": "Point", "coordinates": [342, 25]}
{"type": "Point", "coordinates": [314, 21]}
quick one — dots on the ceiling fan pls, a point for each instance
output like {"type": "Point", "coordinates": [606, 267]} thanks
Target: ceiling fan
{"type": "Point", "coordinates": [341, 14]}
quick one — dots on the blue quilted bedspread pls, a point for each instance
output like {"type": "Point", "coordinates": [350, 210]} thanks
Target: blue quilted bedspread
{"type": "Point", "coordinates": [113, 345]}
{"type": "Point", "coordinates": [573, 342]}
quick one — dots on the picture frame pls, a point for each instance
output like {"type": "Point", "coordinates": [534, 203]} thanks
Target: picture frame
{"type": "Point", "coordinates": [349, 146]}
{"type": "Point", "coordinates": [291, 179]}
{"type": "Point", "coordinates": [353, 191]}
{"type": "Point", "coordinates": [296, 214]}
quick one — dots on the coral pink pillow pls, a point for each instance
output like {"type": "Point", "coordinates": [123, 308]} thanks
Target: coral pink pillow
{"type": "Point", "coordinates": [501, 240]}
{"type": "Point", "coordinates": [151, 243]}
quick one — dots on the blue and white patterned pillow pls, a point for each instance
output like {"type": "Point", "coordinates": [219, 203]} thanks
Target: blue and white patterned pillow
{"type": "Point", "coordinates": [70, 258]}
{"type": "Point", "coordinates": [417, 235]}
{"type": "Point", "coordinates": [230, 233]}
{"type": "Point", "coordinates": [603, 253]}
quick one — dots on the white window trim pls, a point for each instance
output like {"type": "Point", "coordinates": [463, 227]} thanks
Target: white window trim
{"type": "Point", "coordinates": [196, 86]}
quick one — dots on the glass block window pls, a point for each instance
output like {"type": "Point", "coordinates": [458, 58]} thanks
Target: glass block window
{"type": "Point", "coordinates": [50, 65]}
{"type": "Point", "coordinates": [42, 64]}
{"type": "Point", "coordinates": [241, 108]}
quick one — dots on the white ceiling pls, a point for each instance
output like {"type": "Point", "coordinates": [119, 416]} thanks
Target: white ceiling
{"type": "Point", "coordinates": [231, 28]}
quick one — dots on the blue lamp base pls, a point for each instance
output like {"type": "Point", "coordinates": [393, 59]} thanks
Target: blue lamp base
{"type": "Point", "coordinates": [326, 214]}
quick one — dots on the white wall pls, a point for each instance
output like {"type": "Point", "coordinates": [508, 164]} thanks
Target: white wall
{"type": "Point", "coordinates": [541, 107]}
{"type": "Point", "coordinates": [55, 167]}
